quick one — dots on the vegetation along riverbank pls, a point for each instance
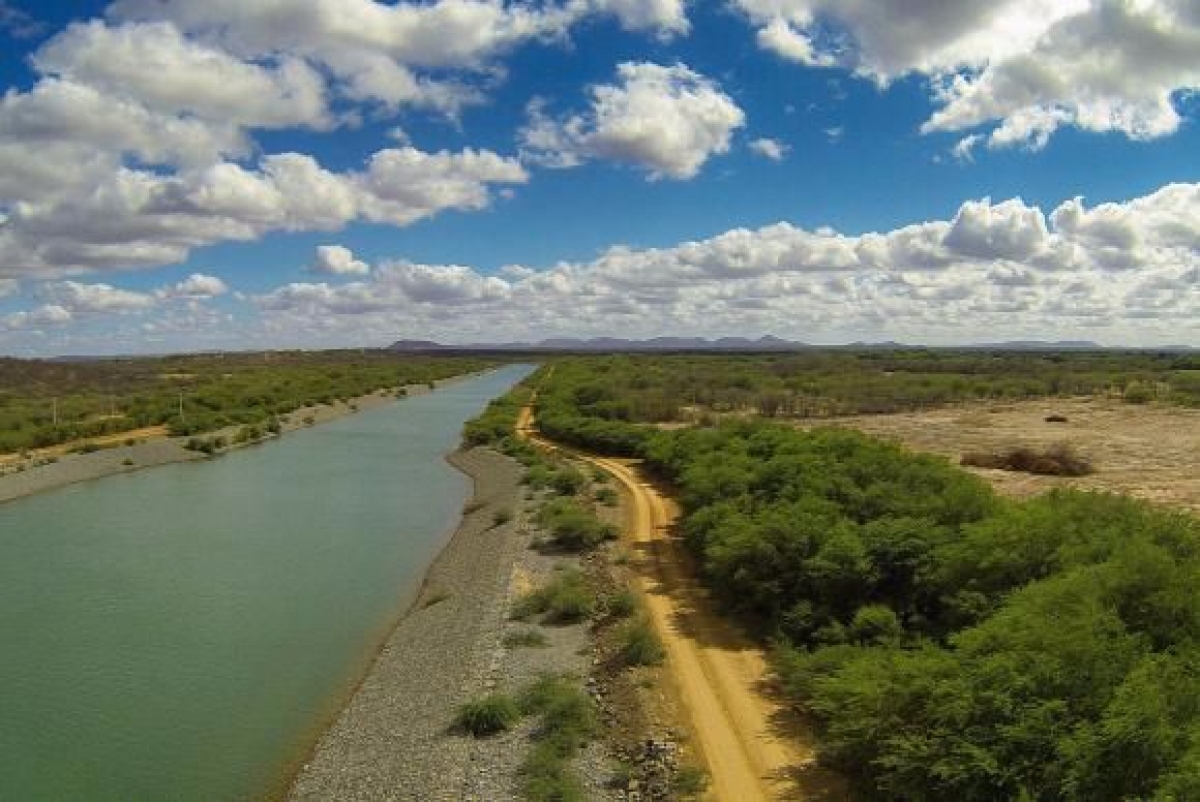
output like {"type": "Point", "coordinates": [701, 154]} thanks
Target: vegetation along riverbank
{"type": "Point", "coordinates": [62, 423]}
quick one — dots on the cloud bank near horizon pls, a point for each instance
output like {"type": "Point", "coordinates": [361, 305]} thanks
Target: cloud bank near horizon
{"type": "Point", "coordinates": [1118, 272]}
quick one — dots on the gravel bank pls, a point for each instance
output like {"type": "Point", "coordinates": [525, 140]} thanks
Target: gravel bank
{"type": "Point", "coordinates": [392, 740]}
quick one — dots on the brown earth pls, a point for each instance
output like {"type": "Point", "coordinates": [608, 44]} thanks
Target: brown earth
{"type": "Point", "coordinates": [1150, 452]}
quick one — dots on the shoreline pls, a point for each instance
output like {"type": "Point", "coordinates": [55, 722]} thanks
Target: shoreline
{"type": "Point", "coordinates": [388, 736]}
{"type": "Point", "coordinates": [43, 472]}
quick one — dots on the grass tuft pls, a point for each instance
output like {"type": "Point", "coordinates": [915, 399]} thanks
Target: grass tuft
{"type": "Point", "coordinates": [488, 715]}
{"type": "Point", "coordinates": [565, 599]}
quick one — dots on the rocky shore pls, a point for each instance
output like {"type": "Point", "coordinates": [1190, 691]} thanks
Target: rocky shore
{"type": "Point", "coordinates": [395, 739]}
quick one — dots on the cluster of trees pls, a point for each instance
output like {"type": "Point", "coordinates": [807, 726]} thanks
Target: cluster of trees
{"type": "Point", "coordinates": [948, 644]}
{"type": "Point", "coordinates": [44, 403]}
{"type": "Point", "coordinates": [497, 423]}
{"type": "Point", "coordinates": [686, 387]}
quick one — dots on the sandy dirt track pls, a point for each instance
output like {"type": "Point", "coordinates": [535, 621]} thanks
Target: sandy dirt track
{"type": "Point", "coordinates": [752, 747]}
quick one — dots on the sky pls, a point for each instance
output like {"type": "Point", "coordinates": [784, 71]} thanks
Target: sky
{"type": "Point", "coordinates": [244, 174]}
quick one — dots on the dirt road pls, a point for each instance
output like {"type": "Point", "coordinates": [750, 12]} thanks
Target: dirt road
{"type": "Point", "coordinates": [101, 440]}
{"type": "Point", "coordinates": [752, 747]}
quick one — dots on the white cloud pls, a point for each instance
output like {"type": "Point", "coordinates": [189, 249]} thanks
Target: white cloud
{"type": "Point", "coordinates": [667, 120]}
{"type": "Point", "coordinates": [197, 286]}
{"type": "Point", "coordinates": [74, 302]}
{"type": "Point", "coordinates": [138, 218]}
{"type": "Point", "coordinates": [771, 149]}
{"type": "Point", "coordinates": [8, 287]}
{"type": "Point", "coordinates": [1129, 272]}
{"type": "Point", "coordinates": [666, 17]}
{"type": "Point", "coordinates": [1025, 66]}
{"type": "Point", "coordinates": [86, 299]}
{"type": "Point", "coordinates": [338, 261]}
{"type": "Point", "coordinates": [155, 65]}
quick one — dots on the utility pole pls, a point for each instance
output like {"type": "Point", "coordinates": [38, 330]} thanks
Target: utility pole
{"type": "Point", "coordinates": [182, 419]}
{"type": "Point", "coordinates": [54, 411]}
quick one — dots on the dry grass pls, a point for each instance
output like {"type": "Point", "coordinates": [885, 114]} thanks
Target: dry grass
{"type": "Point", "coordinates": [1146, 451]}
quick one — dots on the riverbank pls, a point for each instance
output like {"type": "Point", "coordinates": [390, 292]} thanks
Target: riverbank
{"type": "Point", "coordinates": [392, 739]}
{"type": "Point", "coordinates": [48, 469]}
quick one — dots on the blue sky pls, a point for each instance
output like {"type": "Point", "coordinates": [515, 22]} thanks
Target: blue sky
{"type": "Point", "coordinates": [311, 173]}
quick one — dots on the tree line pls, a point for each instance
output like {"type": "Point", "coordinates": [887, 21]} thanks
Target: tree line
{"type": "Point", "coordinates": [45, 403]}
{"type": "Point", "coordinates": [948, 644]}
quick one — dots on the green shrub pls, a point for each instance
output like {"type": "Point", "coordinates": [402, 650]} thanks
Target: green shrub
{"type": "Point", "coordinates": [568, 481]}
{"type": "Point", "coordinates": [639, 644]}
{"type": "Point", "coordinates": [875, 624]}
{"type": "Point", "coordinates": [567, 723]}
{"type": "Point", "coordinates": [621, 604]}
{"type": "Point", "coordinates": [565, 599]}
{"type": "Point", "coordinates": [572, 527]}
{"type": "Point", "coordinates": [606, 496]}
{"type": "Point", "coordinates": [489, 715]}
{"type": "Point", "coordinates": [689, 781]}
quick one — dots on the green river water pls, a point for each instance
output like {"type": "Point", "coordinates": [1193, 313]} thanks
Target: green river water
{"type": "Point", "coordinates": [182, 633]}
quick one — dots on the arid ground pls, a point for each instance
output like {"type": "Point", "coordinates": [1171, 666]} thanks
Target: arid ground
{"type": "Point", "coordinates": [1150, 452]}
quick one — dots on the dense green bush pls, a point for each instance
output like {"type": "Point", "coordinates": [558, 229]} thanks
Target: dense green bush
{"type": "Point", "coordinates": [947, 644]}
{"type": "Point", "coordinates": [573, 527]}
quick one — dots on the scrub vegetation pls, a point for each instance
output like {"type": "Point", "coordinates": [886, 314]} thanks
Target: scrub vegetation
{"type": "Point", "coordinates": [589, 394]}
{"type": "Point", "coordinates": [946, 643]}
{"type": "Point", "coordinates": [46, 403]}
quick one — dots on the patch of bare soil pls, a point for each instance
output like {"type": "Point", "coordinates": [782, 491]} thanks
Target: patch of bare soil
{"type": "Point", "coordinates": [1150, 452]}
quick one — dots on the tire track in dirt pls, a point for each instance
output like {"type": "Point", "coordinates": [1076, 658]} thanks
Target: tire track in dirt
{"type": "Point", "coordinates": [751, 746]}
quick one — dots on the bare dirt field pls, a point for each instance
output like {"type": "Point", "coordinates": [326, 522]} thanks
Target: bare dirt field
{"type": "Point", "coordinates": [1149, 452]}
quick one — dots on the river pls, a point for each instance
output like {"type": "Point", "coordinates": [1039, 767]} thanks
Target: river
{"type": "Point", "coordinates": [182, 633]}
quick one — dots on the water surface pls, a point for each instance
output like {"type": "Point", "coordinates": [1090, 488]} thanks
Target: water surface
{"type": "Point", "coordinates": [180, 632]}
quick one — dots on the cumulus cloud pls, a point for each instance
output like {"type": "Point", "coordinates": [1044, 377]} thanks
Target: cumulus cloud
{"type": "Point", "coordinates": [668, 120]}
{"type": "Point", "coordinates": [141, 218]}
{"type": "Point", "coordinates": [1128, 271]}
{"type": "Point", "coordinates": [134, 144]}
{"type": "Point", "coordinates": [1023, 66]}
{"type": "Point", "coordinates": [85, 299]}
{"type": "Point", "coordinates": [197, 286]}
{"type": "Point", "coordinates": [389, 52]}
{"type": "Point", "coordinates": [155, 65]}
{"type": "Point", "coordinates": [666, 17]}
{"type": "Point", "coordinates": [771, 149]}
{"type": "Point", "coordinates": [67, 302]}
{"type": "Point", "coordinates": [338, 261]}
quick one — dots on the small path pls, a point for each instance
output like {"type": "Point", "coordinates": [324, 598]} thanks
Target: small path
{"type": "Point", "coordinates": [752, 746]}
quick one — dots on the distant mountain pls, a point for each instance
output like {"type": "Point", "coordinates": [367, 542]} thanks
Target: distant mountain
{"type": "Point", "coordinates": [766, 343]}
{"type": "Point", "coordinates": [606, 344]}
{"type": "Point", "coordinates": [421, 345]}
{"type": "Point", "coordinates": [1039, 345]}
